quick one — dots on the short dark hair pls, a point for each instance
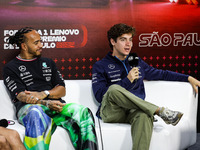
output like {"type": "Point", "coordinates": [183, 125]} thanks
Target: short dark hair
{"type": "Point", "coordinates": [117, 30]}
{"type": "Point", "coordinates": [19, 37]}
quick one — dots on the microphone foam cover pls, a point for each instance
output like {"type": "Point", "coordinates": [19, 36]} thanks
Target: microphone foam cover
{"type": "Point", "coordinates": [3, 123]}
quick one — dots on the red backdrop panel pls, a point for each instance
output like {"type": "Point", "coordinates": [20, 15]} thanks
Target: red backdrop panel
{"type": "Point", "coordinates": [74, 32]}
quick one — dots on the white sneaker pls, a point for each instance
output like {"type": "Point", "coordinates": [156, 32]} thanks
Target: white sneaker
{"type": "Point", "coordinates": [169, 116]}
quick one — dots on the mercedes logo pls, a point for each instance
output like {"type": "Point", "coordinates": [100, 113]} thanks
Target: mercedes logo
{"type": "Point", "coordinates": [22, 68]}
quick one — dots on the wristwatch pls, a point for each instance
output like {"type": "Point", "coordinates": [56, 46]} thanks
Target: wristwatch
{"type": "Point", "coordinates": [47, 93]}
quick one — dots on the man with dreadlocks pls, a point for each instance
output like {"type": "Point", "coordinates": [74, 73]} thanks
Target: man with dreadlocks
{"type": "Point", "coordinates": [36, 88]}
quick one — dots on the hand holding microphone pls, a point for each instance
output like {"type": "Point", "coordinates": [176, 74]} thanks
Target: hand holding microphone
{"type": "Point", "coordinates": [133, 60]}
{"type": "Point", "coordinates": [134, 73]}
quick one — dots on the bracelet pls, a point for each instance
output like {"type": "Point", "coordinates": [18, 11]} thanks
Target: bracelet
{"type": "Point", "coordinates": [47, 103]}
{"type": "Point", "coordinates": [37, 100]}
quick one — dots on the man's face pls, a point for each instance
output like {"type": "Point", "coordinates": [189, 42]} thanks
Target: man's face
{"type": "Point", "coordinates": [122, 46]}
{"type": "Point", "coordinates": [33, 44]}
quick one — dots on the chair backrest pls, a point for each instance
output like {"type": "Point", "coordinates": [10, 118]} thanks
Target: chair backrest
{"type": "Point", "coordinates": [174, 95]}
{"type": "Point", "coordinates": [80, 92]}
{"type": "Point", "coordinates": [77, 91]}
{"type": "Point", "coordinates": [7, 109]}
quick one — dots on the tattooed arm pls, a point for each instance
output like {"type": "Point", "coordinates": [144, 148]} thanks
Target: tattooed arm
{"type": "Point", "coordinates": [52, 104]}
{"type": "Point", "coordinates": [55, 93]}
{"type": "Point", "coordinates": [30, 98]}
{"type": "Point", "coordinates": [27, 98]}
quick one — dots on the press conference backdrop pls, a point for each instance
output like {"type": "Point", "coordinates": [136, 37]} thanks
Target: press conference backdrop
{"type": "Point", "coordinates": [74, 32]}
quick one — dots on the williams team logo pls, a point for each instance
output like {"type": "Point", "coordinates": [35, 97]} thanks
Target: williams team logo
{"type": "Point", "coordinates": [111, 66]}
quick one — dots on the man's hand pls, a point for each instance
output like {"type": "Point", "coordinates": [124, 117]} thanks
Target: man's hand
{"type": "Point", "coordinates": [194, 82]}
{"type": "Point", "coordinates": [55, 105]}
{"type": "Point", "coordinates": [55, 93]}
{"type": "Point", "coordinates": [27, 98]}
{"type": "Point", "coordinates": [39, 95]}
{"type": "Point", "coordinates": [133, 74]}
{"type": "Point", "coordinates": [31, 99]}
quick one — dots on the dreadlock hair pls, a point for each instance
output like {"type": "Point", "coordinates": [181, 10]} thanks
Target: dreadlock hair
{"type": "Point", "coordinates": [19, 37]}
{"type": "Point", "coordinates": [117, 30]}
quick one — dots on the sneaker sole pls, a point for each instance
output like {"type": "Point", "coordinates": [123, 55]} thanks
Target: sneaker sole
{"type": "Point", "coordinates": [179, 118]}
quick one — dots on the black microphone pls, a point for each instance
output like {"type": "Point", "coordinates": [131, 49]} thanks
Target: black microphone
{"type": "Point", "coordinates": [3, 123]}
{"type": "Point", "coordinates": [133, 60]}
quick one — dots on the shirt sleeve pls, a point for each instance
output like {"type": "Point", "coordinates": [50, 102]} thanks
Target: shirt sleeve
{"type": "Point", "coordinates": [152, 73]}
{"type": "Point", "coordinates": [57, 78]}
{"type": "Point", "coordinates": [99, 82]}
{"type": "Point", "coordinates": [12, 83]}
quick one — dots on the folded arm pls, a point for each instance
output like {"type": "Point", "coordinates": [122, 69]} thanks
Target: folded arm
{"type": "Point", "coordinates": [32, 97]}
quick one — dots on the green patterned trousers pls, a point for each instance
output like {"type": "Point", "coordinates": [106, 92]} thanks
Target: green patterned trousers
{"type": "Point", "coordinates": [40, 123]}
